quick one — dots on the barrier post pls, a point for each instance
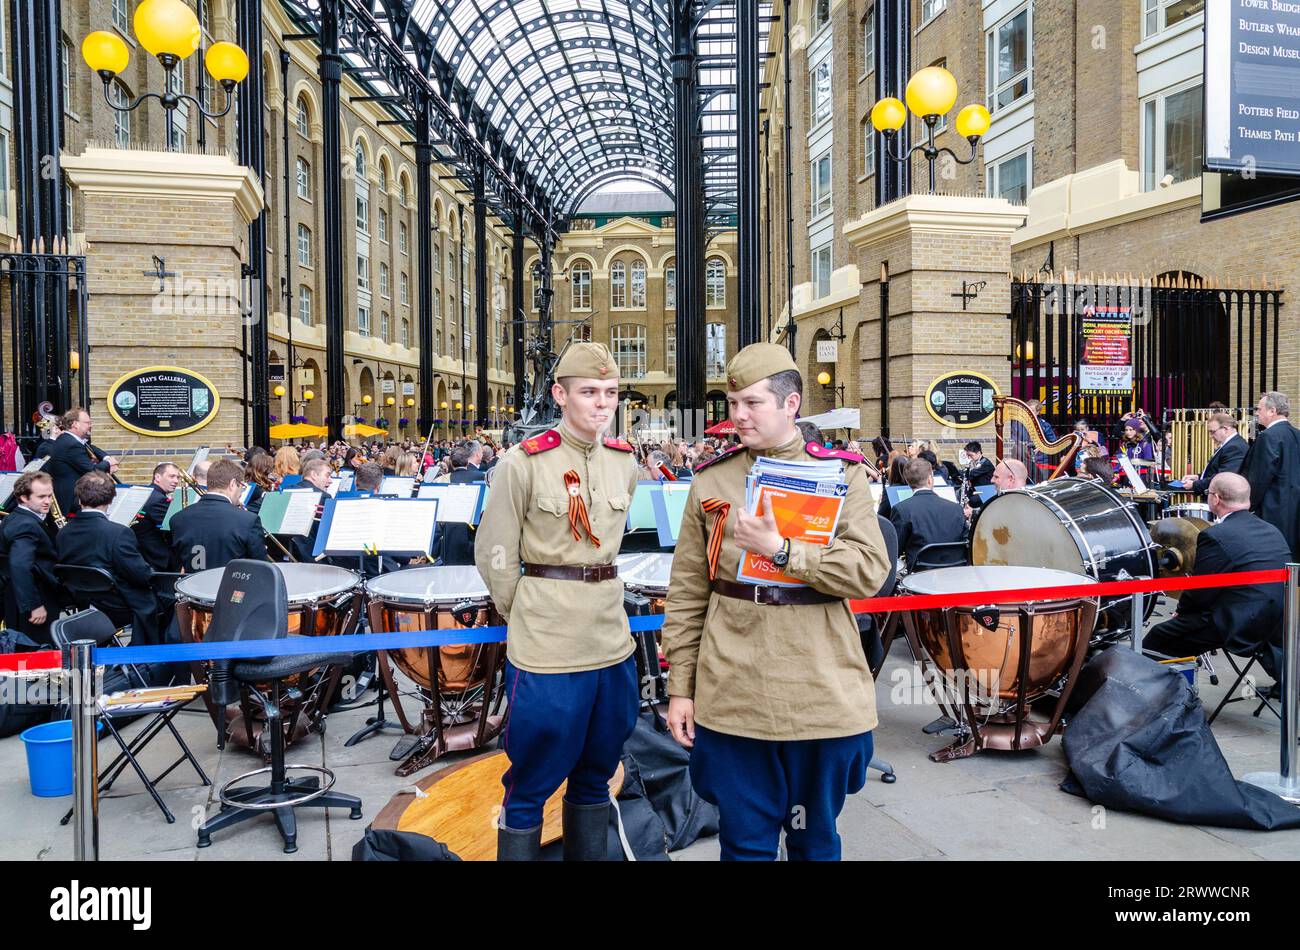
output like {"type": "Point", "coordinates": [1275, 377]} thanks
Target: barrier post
{"type": "Point", "coordinates": [1286, 782]}
{"type": "Point", "coordinates": [85, 753]}
{"type": "Point", "coordinates": [1139, 608]}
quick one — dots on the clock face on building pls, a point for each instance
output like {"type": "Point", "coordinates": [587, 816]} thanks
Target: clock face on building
{"type": "Point", "coordinates": [961, 400]}
{"type": "Point", "coordinates": [163, 401]}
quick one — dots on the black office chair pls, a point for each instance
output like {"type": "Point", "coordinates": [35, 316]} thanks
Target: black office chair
{"type": "Point", "coordinates": [941, 554]}
{"type": "Point", "coordinates": [92, 624]}
{"type": "Point", "coordinates": [97, 588]}
{"type": "Point", "coordinates": [253, 604]}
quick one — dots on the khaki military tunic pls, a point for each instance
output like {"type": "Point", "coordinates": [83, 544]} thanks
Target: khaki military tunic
{"type": "Point", "coordinates": [557, 626]}
{"type": "Point", "coordinates": [768, 671]}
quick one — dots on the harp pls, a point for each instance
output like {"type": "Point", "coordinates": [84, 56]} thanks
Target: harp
{"type": "Point", "coordinates": [1008, 410]}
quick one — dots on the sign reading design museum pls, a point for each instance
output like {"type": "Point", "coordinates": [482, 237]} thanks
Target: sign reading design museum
{"type": "Point", "coordinates": [1252, 86]}
{"type": "Point", "coordinates": [163, 400]}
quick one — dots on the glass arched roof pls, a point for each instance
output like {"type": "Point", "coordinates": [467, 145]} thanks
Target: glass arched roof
{"type": "Point", "coordinates": [576, 93]}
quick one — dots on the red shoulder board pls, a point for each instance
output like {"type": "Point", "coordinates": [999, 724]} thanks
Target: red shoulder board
{"type": "Point", "coordinates": [718, 458]}
{"type": "Point", "coordinates": [542, 443]}
{"type": "Point", "coordinates": [613, 443]}
{"type": "Point", "coordinates": [819, 451]}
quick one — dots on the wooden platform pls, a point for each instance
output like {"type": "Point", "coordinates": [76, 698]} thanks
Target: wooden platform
{"type": "Point", "coordinates": [462, 804]}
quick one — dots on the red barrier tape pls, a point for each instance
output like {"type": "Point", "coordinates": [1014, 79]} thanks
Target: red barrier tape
{"type": "Point", "coordinates": [36, 660]}
{"type": "Point", "coordinates": [1065, 592]}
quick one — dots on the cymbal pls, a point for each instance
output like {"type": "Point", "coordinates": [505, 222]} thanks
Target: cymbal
{"type": "Point", "coordinates": [1176, 540]}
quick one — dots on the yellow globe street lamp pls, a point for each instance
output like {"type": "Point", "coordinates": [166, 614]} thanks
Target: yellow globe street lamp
{"type": "Point", "coordinates": [389, 401]}
{"type": "Point", "coordinates": [931, 94]}
{"type": "Point", "coordinates": [169, 31]}
{"type": "Point", "coordinates": [367, 400]}
{"type": "Point", "coordinates": [443, 404]}
{"type": "Point", "coordinates": [308, 395]}
{"type": "Point", "coordinates": [279, 390]}
{"type": "Point", "coordinates": [410, 402]}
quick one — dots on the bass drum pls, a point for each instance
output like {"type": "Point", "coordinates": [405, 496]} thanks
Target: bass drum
{"type": "Point", "coordinates": [1068, 524]}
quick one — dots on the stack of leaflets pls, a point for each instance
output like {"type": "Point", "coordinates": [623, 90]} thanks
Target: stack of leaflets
{"type": "Point", "coordinates": [806, 497]}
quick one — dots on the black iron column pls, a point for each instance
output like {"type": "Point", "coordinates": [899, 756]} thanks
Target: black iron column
{"type": "Point", "coordinates": [790, 328]}
{"type": "Point", "coordinates": [252, 154]}
{"type": "Point", "coordinates": [893, 59]}
{"type": "Point", "coordinates": [42, 323]}
{"type": "Point", "coordinates": [424, 221]}
{"type": "Point", "coordinates": [690, 218]}
{"type": "Point", "coordinates": [288, 227]}
{"type": "Point", "coordinates": [480, 290]}
{"type": "Point", "coordinates": [747, 315]}
{"type": "Point", "coordinates": [331, 72]}
{"type": "Point", "coordinates": [520, 315]}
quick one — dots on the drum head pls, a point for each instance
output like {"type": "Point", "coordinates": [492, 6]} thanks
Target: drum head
{"type": "Point", "coordinates": [648, 572]}
{"type": "Point", "coordinates": [957, 580]}
{"type": "Point", "coordinates": [429, 585]}
{"type": "Point", "coordinates": [306, 583]}
{"type": "Point", "coordinates": [1015, 528]}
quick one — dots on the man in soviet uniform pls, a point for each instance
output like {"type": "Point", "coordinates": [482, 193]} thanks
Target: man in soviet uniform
{"type": "Point", "coordinates": [769, 685]}
{"type": "Point", "coordinates": [546, 546]}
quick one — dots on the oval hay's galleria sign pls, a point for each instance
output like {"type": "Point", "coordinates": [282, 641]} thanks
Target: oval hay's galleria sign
{"type": "Point", "coordinates": [961, 400]}
{"type": "Point", "coordinates": [163, 401]}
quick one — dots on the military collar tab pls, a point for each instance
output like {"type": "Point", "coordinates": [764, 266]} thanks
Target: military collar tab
{"type": "Point", "coordinates": [542, 443]}
{"type": "Point", "coordinates": [729, 453]}
{"type": "Point", "coordinates": [819, 451]}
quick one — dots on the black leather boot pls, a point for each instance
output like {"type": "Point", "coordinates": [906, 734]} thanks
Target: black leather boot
{"type": "Point", "coordinates": [586, 831]}
{"type": "Point", "coordinates": [515, 845]}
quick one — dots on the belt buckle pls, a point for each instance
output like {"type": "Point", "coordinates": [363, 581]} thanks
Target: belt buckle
{"type": "Point", "coordinates": [589, 573]}
{"type": "Point", "coordinates": [758, 590]}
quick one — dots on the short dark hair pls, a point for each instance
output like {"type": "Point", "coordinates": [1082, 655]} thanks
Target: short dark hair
{"type": "Point", "coordinates": [925, 455]}
{"type": "Point", "coordinates": [163, 466]}
{"type": "Point", "coordinates": [311, 467]}
{"type": "Point", "coordinates": [784, 383]}
{"type": "Point", "coordinates": [459, 457]}
{"type": "Point", "coordinates": [1099, 468]}
{"type": "Point", "coordinates": [223, 473]}
{"type": "Point", "coordinates": [916, 472]}
{"type": "Point", "coordinates": [369, 477]}
{"type": "Point", "coordinates": [69, 418]}
{"type": "Point", "coordinates": [23, 486]}
{"type": "Point", "coordinates": [974, 447]}
{"type": "Point", "coordinates": [95, 489]}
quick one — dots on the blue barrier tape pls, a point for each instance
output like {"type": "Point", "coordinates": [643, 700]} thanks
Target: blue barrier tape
{"type": "Point", "coordinates": [352, 643]}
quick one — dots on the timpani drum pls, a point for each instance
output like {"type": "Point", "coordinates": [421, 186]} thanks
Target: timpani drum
{"type": "Point", "coordinates": [461, 686]}
{"type": "Point", "coordinates": [323, 601]}
{"type": "Point", "coordinates": [994, 660]}
{"type": "Point", "coordinates": [1190, 509]}
{"type": "Point", "coordinates": [645, 591]}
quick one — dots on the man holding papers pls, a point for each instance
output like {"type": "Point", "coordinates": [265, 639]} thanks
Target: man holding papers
{"type": "Point", "coordinates": [545, 548]}
{"type": "Point", "coordinates": [768, 680]}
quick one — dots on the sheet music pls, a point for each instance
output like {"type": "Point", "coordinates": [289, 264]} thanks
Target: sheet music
{"type": "Point", "coordinates": [200, 456]}
{"type": "Point", "coordinates": [335, 486]}
{"type": "Point", "coordinates": [1130, 470]}
{"type": "Point", "coordinates": [7, 481]}
{"type": "Point", "coordinates": [128, 501]}
{"type": "Point", "coordinates": [400, 485]}
{"type": "Point", "coordinates": [299, 512]}
{"type": "Point", "coordinates": [392, 525]}
{"type": "Point", "coordinates": [35, 465]}
{"type": "Point", "coordinates": [455, 502]}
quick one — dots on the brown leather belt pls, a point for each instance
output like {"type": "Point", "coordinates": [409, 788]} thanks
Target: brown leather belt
{"type": "Point", "coordinates": [591, 574]}
{"type": "Point", "coordinates": [780, 596]}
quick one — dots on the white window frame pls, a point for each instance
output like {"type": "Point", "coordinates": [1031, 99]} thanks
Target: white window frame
{"type": "Point", "coordinates": [993, 171]}
{"type": "Point", "coordinates": [995, 86]}
{"type": "Point", "coordinates": [363, 207]}
{"type": "Point", "coordinates": [121, 119]}
{"type": "Point", "coordinates": [384, 281]}
{"type": "Point", "coordinates": [302, 172]}
{"type": "Point", "coordinates": [820, 204]}
{"type": "Point", "coordinates": [869, 41]}
{"type": "Point", "coordinates": [305, 316]}
{"type": "Point", "coordinates": [304, 246]}
{"type": "Point", "coordinates": [820, 14]}
{"type": "Point", "coordinates": [401, 236]}
{"type": "Point", "coordinates": [363, 272]}
{"type": "Point", "coordinates": [383, 226]}
{"type": "Point", "coordinates": [1155, 18]}
{"type": "Point", "coordinates": [363, 321]}
{"type": "Point", "coordinates": [618, 286]}
{"type": "Point", "coordinates": [1150, 178]}
{"type": "Point", "coordinates": [815, 278]}
{"type": "Point", "coordinates": [715, 284]}
{"type": "Point", "coordinates": [65, 63]}
{"type": "Point", "coordinates": [820, 111]}
{"type": "Point", "coordinates": [580, 286]}
{"type": "Point", "coordinates": [670, 347]}
{"type": "Point", "coordinates": [181, 116]}
{"type": "Point", "coordinates": [406, 332]}
{"type": "Point", "coordinates": [670, 287]}
{"type": "Point", "coordinates": [637, 285]}
{"type": "Point", "coordinates": [385, 325]}
{"type": "Point", "coordinates": [4, 174]}
{"type": "Point", "coordinates": [301, 122]}
{"type": "Point", "coordinates": [120, 16]}
{"type": "Point", "coordinates": [931, 9]}
{"type": "Point", "coordinates": [437, 304]}
{"type": "Point", "coordinates": [404, 283]}
{"type": "Point", "coordinates": [868, 148]}
{"type": "Point", "coordinates": [627, 344]}
{"type": "Point", "coordinates": [715, 349]}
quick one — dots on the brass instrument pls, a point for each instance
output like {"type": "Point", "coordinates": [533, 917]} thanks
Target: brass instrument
{"type": "Point", "coordinates": [1006, 409]}
{"type": "Point", "coordinates": [47, 419]}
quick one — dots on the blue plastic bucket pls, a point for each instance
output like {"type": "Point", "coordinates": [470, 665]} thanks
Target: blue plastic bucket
{"type": "Point", "coordinates": [49, 757]}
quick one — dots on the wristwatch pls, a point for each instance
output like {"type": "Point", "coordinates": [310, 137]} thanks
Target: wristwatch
{"type": "Point", "coordinates": [782, 557]}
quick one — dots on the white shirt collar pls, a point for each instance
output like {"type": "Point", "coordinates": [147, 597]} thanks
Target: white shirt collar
{"type": "Point", "coordinates": [1276, 421]}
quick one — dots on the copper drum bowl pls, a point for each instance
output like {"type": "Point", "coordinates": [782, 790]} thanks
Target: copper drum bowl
{"type": "Point", "coordinates": [980, 650]}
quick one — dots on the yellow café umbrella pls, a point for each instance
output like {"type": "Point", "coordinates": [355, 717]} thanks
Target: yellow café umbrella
{"type": "Point", "coordinates": [359, 430]}
{"type": "Point", "coordinates": [297, 430]}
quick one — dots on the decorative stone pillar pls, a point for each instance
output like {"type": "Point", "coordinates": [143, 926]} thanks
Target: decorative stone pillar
{"type": "Point", "coordinates": [925, 247]}
{"type": "Point", "coordinates": [192, 212]}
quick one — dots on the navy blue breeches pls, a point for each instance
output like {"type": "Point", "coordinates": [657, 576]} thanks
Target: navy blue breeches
{"type": "Point", "coordinates": [762, 786]}
{"type": "Point", "coordinates": [565, 726]}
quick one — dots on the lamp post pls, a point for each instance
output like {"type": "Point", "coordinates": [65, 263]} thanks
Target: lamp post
{"type": "Point", "coordinates": [170, 31]}
{"type": "Point", "coordinates": [931, 93]}
{"type": "Point", "coordinates": [825, 379]}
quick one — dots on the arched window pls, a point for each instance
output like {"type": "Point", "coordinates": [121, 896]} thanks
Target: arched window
{"type": "Point", "coordinates": [359, 161]}
{"type": "Point", "coordinates": [402, 193]}
{"type": "Point", "coordinates": [304, 117]}
{"type": "Point", "coordinates": [383, 177]}
{"type": "Point", "coordinates": [670, 287]}
{"type": "Point", "coordinates": [638, 285]}
{"type": "Point", "coordinates": [627, 342]}
{"type": "Point", "coordinates": [715, 283]}
{"type": "Point", "coordinates": [618, 285]}
{"type": "Point", "coordinates": [406, 332]}
{"type": "Point", "coordinates": [580, 278]}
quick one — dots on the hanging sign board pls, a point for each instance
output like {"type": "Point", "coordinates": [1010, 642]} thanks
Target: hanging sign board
{"type": "Point", "coordinates": [961, 400]}
{"type": "Point", "coordinates": [828, 351]}
{"type": "Point", "coordinates": [1106, 361]}
{"type": "Point", "coordinates": [163, 401]}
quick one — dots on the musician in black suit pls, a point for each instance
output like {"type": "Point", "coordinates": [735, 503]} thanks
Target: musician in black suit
{"type": "Point", "coordinates": [1273, 469]}
{"type": "Point", "coordinates": [925, 518]}
{"type": "Point", "coordinates": [980, 471]}
{"type": "Point", "coordinates": [215, 530]}
{"type": "Point", "coordinates": [73, 456]}
{"type": "Point", "coordinates": [91, 540]}
{"type": "Point", "coordinates": [316, 475]}
{"type": "Point", "coordinates": [27, 563]}
{"type": "Point", "coordinates": [1240, 619]}
{"type": "Point", "coordinates": [155, 546]}
{"type": "Point", "coordinates": [1230, 454]}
